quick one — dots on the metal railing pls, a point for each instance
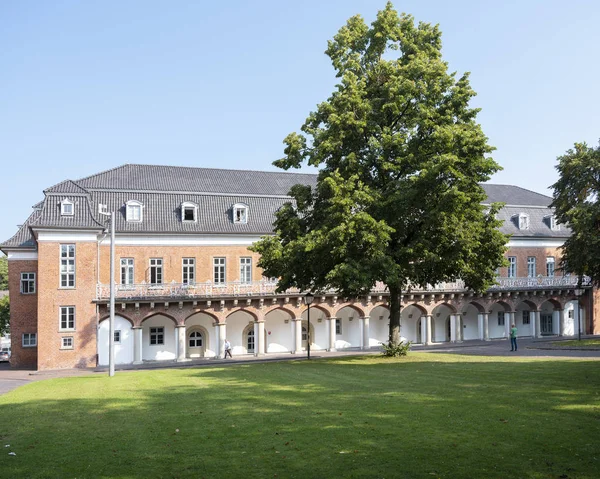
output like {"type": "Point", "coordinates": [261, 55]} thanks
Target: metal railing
{"type": "Point", "coordinates": [146, 291]}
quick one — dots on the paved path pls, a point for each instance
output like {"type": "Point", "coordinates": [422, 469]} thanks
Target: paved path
{"type": "Point", "coordinates": [13, 378]}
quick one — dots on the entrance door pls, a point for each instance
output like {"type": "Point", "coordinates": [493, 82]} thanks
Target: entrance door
{"type": "Point", "coordinates": [304, 337]}
{"type": "Point", "coordinates": [546, 323]}
{"type": "Point", "coordinates": [448, 329]}
{"type": "Point", "coordinates": [419, 341]}
{"type": "Point", "coordinates": [250, 344]}
{"type": "Point", "coordinates": [195, 345]}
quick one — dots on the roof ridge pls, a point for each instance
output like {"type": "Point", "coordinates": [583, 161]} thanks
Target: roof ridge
{"type": "Point", "coordinates": [517, 186]}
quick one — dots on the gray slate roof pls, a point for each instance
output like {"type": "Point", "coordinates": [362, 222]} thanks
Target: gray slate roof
{"type": "Point", "coordinates": [162, 190]}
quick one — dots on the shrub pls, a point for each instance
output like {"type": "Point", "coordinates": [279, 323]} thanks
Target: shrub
{"type": "Point", "coordinates": [391, 351]}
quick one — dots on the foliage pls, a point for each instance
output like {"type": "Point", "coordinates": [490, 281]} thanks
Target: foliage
{"type": "Point", "coordinates": [4, 315]}
{"type": "Point", "coordinates": [459, 417]}
{"type": "Point", "coordinates": [3, 273]}
{"type": "Point", "coordinates": [392, 350]}
{"type": "Point", "coordinates": [576, 203]}
{"type": "Point", "coordinates": [401, 156]}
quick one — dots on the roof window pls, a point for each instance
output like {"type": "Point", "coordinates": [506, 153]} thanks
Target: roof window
{"type": "Point", "coordinates": [553, 223]}
{"type": "Point", "coordinates": [523, 221]}
{"type": "Point", "coordinates": [189, 212]}
{"type": "Point", "coordinates": [240, 213]}
{"type": "Point", "coordinates": [134, 211]}
{"type": "Point", "coordinates": [67, 208]}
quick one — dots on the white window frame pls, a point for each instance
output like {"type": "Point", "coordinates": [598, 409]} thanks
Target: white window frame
{"type": "Point", "coordinates": [554, 225]}
{"type": "Point", "coordinates": [523, 221]}
{"type": "Point", "coordinates": [188, 270]}
{"type": "Point", "coordinates": [63, 210]}
{"type": "Point", "coordinates": [246, 269]}
{"type": "Point", "coordinates": [240, 213]}
{"type": "Point", "coordinates": [511, 271]}
{"type": "Point", "coordinates": [219, 270]}
{"type": "Point", "coordinates": [127, 271]}
{"type": "Point", "coordinates": [130, 207]}
{"type": "Point", "coordinates": [69, 311]}
{"type": "Point", "coordinates": [550, 266]}
{"type": "Point", "coordinates": [29, 280]}
{"type": "Point", "coordinates": [531, 266]}
{"type": "Point", "coordinates": [157, 264]}
{"type": "Point", "coordinates": [189, 206]}
{"type": "Point", "coordinates": [155, 333]}
{"type": "Point", "coordinates": [31, 340]}
{"type": "Point", "coordinates": [64, 340]}
{"type": "Point", "coordinates": [67, 266]}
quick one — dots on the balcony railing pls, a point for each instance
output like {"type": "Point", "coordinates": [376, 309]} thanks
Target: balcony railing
{"type": "Point", "coordinates": [148, 291]}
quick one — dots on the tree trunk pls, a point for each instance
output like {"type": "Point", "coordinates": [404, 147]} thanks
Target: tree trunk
{"type": "Point", "coordinates": [395, 303]}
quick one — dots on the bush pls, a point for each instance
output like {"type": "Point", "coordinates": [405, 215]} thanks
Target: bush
{"type": "Point", "coordinates": [391, 351]}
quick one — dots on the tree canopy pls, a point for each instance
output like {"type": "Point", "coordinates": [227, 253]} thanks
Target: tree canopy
{"type": "Point", "coordinates": [3, 273]}
{"type": "Point", "coordinates": [576, 203]}
{"type": "Point", "coordinates": [4, 315]}
{"type": "Point", "coordinates": [400, 158]}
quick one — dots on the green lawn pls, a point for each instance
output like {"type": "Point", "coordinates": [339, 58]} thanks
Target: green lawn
{"type": "Point", "coordinates": [425, 416]}
{"type": "Point", "coordinates": [583, 344]}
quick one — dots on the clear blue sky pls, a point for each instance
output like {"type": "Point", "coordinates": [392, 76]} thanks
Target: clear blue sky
{"type": "Point", "coordinates": [86, 86]}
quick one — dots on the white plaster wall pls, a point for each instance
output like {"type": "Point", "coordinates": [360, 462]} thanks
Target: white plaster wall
{"type": "Point", "coordinates": [439, 331]}
{"type": "Point", "coordinates": [321, 331]}
{"type": "Point", "coordinates": [234, 329]}
{"type": "Point", "coordinates": [470, 324]}
{"type": "Point", "coordinates": [124, 350]}
{"type": "Point", "coordinates": [206, 321]}
{"type": "Point", "coordinates": [523, 329]}
{"type": "Point", "coordinates": [280, 336]}
{"type": "Point", "coordinates": [379, 329]}
{"type": "Point", "coordinates": [496, 331]}
{"type": "Point", "coordinates": [408, 325]}
{"type": "Point", "coordinates": [571, 325]}
{"type": "Point", "coordinates": [162, 351]}
{"type": "Point", "coordinates": [351, 329]}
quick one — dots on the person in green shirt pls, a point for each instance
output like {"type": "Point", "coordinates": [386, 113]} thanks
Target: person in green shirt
{"type": "Point", "coordinates": [513, 338]}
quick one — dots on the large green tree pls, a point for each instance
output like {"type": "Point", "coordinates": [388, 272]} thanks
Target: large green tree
{"type": "Point", "coordinates": [400, 160]}
{"type": "Point", "coordinates": [577, 205]}
{"type": "Point", "coordinates": [4, 315]}
{"type": "Point", "coordinates": [3, 273]}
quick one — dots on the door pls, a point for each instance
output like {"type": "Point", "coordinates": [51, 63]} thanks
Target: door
{"type": "Point", "coordinates": [448, 329]}
{"type": "Point", "coordinates": [304, 337]}
{"type": "Point", "coordinates": [195, 344]}
{"type": "Point", "coordinates": [546, 323]}
{"type": "Point", "coordinates": [250, 344]}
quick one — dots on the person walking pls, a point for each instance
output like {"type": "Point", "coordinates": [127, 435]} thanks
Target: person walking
{"type": "Point", "coordinates": [228, 349]}
{"type": "Point", "coordinates": [513, 338]}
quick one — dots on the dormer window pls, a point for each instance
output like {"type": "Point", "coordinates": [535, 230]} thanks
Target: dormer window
{"type": "Point", "coordinates": [523, 221]}
{"type": "Point", "coordinates": [67, 208]}
{"type": "Point", "coordinates": [552, 223]}
{"type": "Point", "coordinates": [133, 210]}
{"type": "Point", "coordinates": [240, 213]}
{"type": "Point", "coordinates": [189, 212]}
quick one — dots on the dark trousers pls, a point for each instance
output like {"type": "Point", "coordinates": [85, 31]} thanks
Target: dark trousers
{"type": "Point", "coordinates": [513, 344]}
{"type": "Point", "coordinates": [228, 351]}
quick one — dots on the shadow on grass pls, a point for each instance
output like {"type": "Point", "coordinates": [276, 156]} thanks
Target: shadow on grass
{"type": "Point", "coordinates": [343, 417]}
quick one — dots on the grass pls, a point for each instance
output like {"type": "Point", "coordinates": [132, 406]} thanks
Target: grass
{"type": "Point", "coordinates": [575, 344]}
{"type": "Point", "coordinates": [425, 416]}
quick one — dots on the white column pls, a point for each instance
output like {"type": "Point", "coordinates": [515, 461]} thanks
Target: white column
{"type": "Point", "coordinates": [459, 328]}
{"type": "Point", "coordinates": [297, 335]}
{"type": "Point", "coordinates": [428, 329]}
{"type": "Point", "coordinates": [260, 341]}
{"type": "Point", "coordinates": [538, 324]}
{"type": "Point", "coordinates": [453, 328]}
{"type": "Point", "coordinates": [365, 333]}
{"type": "Point", "coordinates": [509, 319]}
{"type": "Point", "coordinates": [180, 337]}
{"type": "Point", "coordinates": [423, 329]}
{"type": "Point", "coordinates": [555, 321]}
{"type": "Point", "coordinates": [331, 334]}
{"type": "Point", "coordinates": [564, 318]}
{"type": "Point", "coordinates": [480, 333]}
{"type": "Point", "coordinates": [532, 321]}
{"type": "Point", "coordinates": [137, 345]}
{"type": "Point", "coordinates": [486, 326]}
{"type": "Point", "coordinates": [255, 326]}
{"type": "Point", "coordinates": [220, 332]}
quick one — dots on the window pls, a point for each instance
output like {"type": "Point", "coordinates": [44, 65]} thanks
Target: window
{"type": "Point", "coordinates": [189, 212]}
{"type": "Point", "coordinates": [512, 267]}
{"type": "Point", "coordinates": [189, 271]}
{"type": "Point", "coordinates": [338, 326]}
{"type": "Point", "coordinates": [571, 313]}
{"type": "Point", "coordinates": [117, 336]}
{"type": "Point", "coordinates": [133, 211]}
{"type": "Point", "coordinates": [552, 223]}
{"type": "Point", "coordinates": [196, 339]}
{"type": "Point", "coordinates": [250, 341]}
{"type": "Point", "coordinates": [531, 267]}
{"type": "Point", "coordinates": [27, 283]}
{"type": "Point", "coordinates": [29, 340]}
{"type": "Point", "coordinates": [246, 270]}
{"type": "Point", "coordinates": [500, 318]}
{"type": "Point", "coordinates": [523, 221]}
{"type": "Point", "coordinates": [67, 318]}
{"type": "Point", "coordinates": [525, 317]}
{"type": "Point", "coordinates": [66, 342]}
{"type": "Point", "coordinates": [219, 270]}
{"type": "Point", "coordinates": [67, 265]}
{"type": "Point", "coordinates": [66, 208]}
{"type": "Point", "coordinates": [550, 266]}
{"type": "Point", "coordinates": [157, 336]}
{"type": "Point", "coordinates": [127, 271]}
{"type": "Point", "coordinates": [240, 213]}
{"type": "Point", "coordinates": [156, 271]}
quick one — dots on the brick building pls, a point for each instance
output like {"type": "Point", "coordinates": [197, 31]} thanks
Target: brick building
{"type": "Point", "coordinates": [186, 280]}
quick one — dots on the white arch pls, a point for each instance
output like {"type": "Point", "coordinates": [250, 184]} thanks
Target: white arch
{"type": "Point", "coordinates": [123, 349]}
